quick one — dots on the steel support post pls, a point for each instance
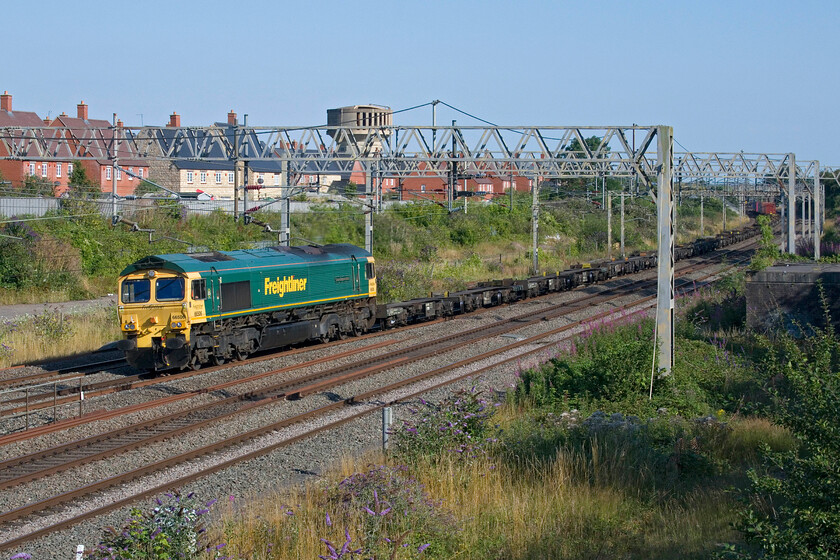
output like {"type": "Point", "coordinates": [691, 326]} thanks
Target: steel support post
{"type": "Point", "coordinates": [368, 213]}
{"type": "Point", "coordinates": [114, 217]}
{"type": "Point", "coordinates": [802, 225]}
{"type": "Point", "coordinates": [665, 264]}
{"type": "Point", "coordinates": [723, 207]}
{"type": "Point", "coordinates": [791, 242]}
{"type": "Point", "coordinates": [246, 178]}
{"type": "Point", "coordinates": [782, 217]}
{"type": "Point", "coordinates": [702, 225]}
{"type": "Point", "coordinates": [622, 225]}
{"type": "Point", "coordinates": [535, 216]}
{"type": "Point", "coordinates": [609, 225]}
{"type": "Point", "coordinates": [818, 211]}
{"type": "Point", "coordinates": [810, 218]}
{"type": "Point", "coordinates": [285, 218]}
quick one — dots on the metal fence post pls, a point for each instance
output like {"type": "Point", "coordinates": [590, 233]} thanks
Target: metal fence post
{"type": "Point", "coordinates": [386, 426]}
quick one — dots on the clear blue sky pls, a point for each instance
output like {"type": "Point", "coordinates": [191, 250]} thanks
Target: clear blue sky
{"type": "Point", "coordinates": [758, 76]}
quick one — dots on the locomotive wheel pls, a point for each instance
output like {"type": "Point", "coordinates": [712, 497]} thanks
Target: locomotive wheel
{"type": "Point", "coordinates": [240, 355]}
{"type": "Point", "coordinates": [216, 359]}
{"type": "Point", "coordinates": [195, 363]}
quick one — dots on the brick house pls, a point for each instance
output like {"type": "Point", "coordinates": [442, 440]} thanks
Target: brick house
{"type": "Point", "coordinates": [16, 171]}
{"type": "Point", "coordinates": [94, 134]}
{"type": "Point", "coordinates": [97, 135]}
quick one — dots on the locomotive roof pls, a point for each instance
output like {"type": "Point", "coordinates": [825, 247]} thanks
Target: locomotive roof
{"type": "Point", "coordinates": [249, 258]}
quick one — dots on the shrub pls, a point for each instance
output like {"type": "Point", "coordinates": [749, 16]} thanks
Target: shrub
{"type": "Point", "coordinates": [793, 507]}
{"type": "Point", "coordinates": [460, 425]}
{"type": "Point", "coordinates": [395, 511]}
{"type": "Point", "coordinates": [173, 529]}
{"type": "Point", "coordinates": [608, 362]}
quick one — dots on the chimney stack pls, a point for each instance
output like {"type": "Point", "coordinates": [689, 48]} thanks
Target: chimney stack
{"type": "Point", "coordinates": [175, 120]}
{"type": "Point", "coordinates": [232, 118]}
{"type": "Point", "coordinates": [82, 111]}
{"type": "Point", "coordinates": [119, 123]}
{"type": "Point", "coordinates": [47, 121]}
{"type": "Point", "coordinates": [6, 102]}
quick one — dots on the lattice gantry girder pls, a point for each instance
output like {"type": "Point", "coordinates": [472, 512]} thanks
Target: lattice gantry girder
{"type": "Point", "coordinates": [549, 152]}
{"type": "Point", "coordinates": [739, 165]}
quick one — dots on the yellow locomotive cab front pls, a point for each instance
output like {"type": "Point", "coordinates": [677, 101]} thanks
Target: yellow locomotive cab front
{"type": "Point", "coordinates": [154, 319]}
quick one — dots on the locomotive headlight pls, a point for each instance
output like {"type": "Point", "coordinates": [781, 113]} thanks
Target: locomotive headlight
{"type": "Point", "coordinates": [130, 326]}
{"type": "Point", "coordinates": [177, 325]}
{"type": "Point", "coordinates": [151, 274]}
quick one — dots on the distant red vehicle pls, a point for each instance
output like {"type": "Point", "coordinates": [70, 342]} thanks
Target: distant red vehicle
{"type": "Point", "coordinates": [763, 208]}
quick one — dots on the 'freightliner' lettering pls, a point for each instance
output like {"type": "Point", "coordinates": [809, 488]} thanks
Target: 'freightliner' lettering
{"type": "Point", "coordinates": [287, 285]}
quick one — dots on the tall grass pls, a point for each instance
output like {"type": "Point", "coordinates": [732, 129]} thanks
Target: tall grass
{"type": "Point", "coordinates": [53, 334]}
{"type": "Point", "coordinates": [608, 495]}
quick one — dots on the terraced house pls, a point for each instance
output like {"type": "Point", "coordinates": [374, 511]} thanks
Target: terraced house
{"type": "Point", "coordinates": [79, 135]}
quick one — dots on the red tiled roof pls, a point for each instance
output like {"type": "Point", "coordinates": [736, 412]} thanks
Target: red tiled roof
{"type": "Point", "coordinates": [20, 118]}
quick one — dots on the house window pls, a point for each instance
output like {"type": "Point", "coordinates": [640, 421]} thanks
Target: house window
{"type": "Point", "coordinates": [58, 170]}
{"type": "Point", "coordinates": [119, 173]}
{"type": "Point", "coordinates": [277, 179]}
{"type": "Point", "coordinates": [203, 176]}
{"type": "Point", "coordinates": [31, 168]}
{"type": "Point", "coordinates": [107, 172]}
{"type": "Point", "coordinates": [189, 176]}
{"type": "Point", "coordinates": [422, 188]}
{"type": "Point", "coordinates": [69, 169]}
{"type": "Point", "coordinates": [230, 178]}
{"type": "Point", "coordinates": [43, 170]}
{"type": "Point", "coordinates": [218, 177]}
{"type": "Point", "coordinates": [130, 173]}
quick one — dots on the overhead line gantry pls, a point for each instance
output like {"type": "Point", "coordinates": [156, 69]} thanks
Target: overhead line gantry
{"type": "Point", "coordinates": [540, 153]}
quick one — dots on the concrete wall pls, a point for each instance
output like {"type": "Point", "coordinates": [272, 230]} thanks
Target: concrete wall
{"type": "Point", "coordinates": [788, 296]}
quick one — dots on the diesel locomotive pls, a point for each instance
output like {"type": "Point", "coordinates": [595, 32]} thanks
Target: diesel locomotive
{"type": "Point", "coordinates": [188, 310]}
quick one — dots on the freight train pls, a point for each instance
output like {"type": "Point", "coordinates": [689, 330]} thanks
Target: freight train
{"type": "Point", "coordinates": [193, 309]}
{"type": "Point", "coordinates": [762, 208]}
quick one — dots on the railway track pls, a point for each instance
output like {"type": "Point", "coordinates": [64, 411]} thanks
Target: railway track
{"type": "Point", "coordinates": [48, 399]}
{"type": "Point", "coordinates": [14, 473]}
{"type": "Point", "coordinates": [60, 374]}
{"type": "Point", "coordinates": [69, 394]}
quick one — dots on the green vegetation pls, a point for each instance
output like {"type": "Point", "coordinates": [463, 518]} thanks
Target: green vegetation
{"type": "Point", "coordinates": [76, 253]}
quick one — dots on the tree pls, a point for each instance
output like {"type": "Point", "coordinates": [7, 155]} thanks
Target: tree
{"type": "Point", "coordinates": [81, 186]}
{"type": "Point", "coordinates": [37, 186]}
{"type": "Point", "coordinates": [768, 252]}
{"type": "Point", "coordinates": [592, 144]}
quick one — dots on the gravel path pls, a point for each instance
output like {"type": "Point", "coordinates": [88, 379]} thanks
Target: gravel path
{"type": "Point", "coordinates": [68, 307]}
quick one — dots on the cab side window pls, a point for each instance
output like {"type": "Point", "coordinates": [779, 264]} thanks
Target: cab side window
{"type": "Point", "coordinates": [370, 272]}
{"type": "Point", "coordinates": [199, 289]}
